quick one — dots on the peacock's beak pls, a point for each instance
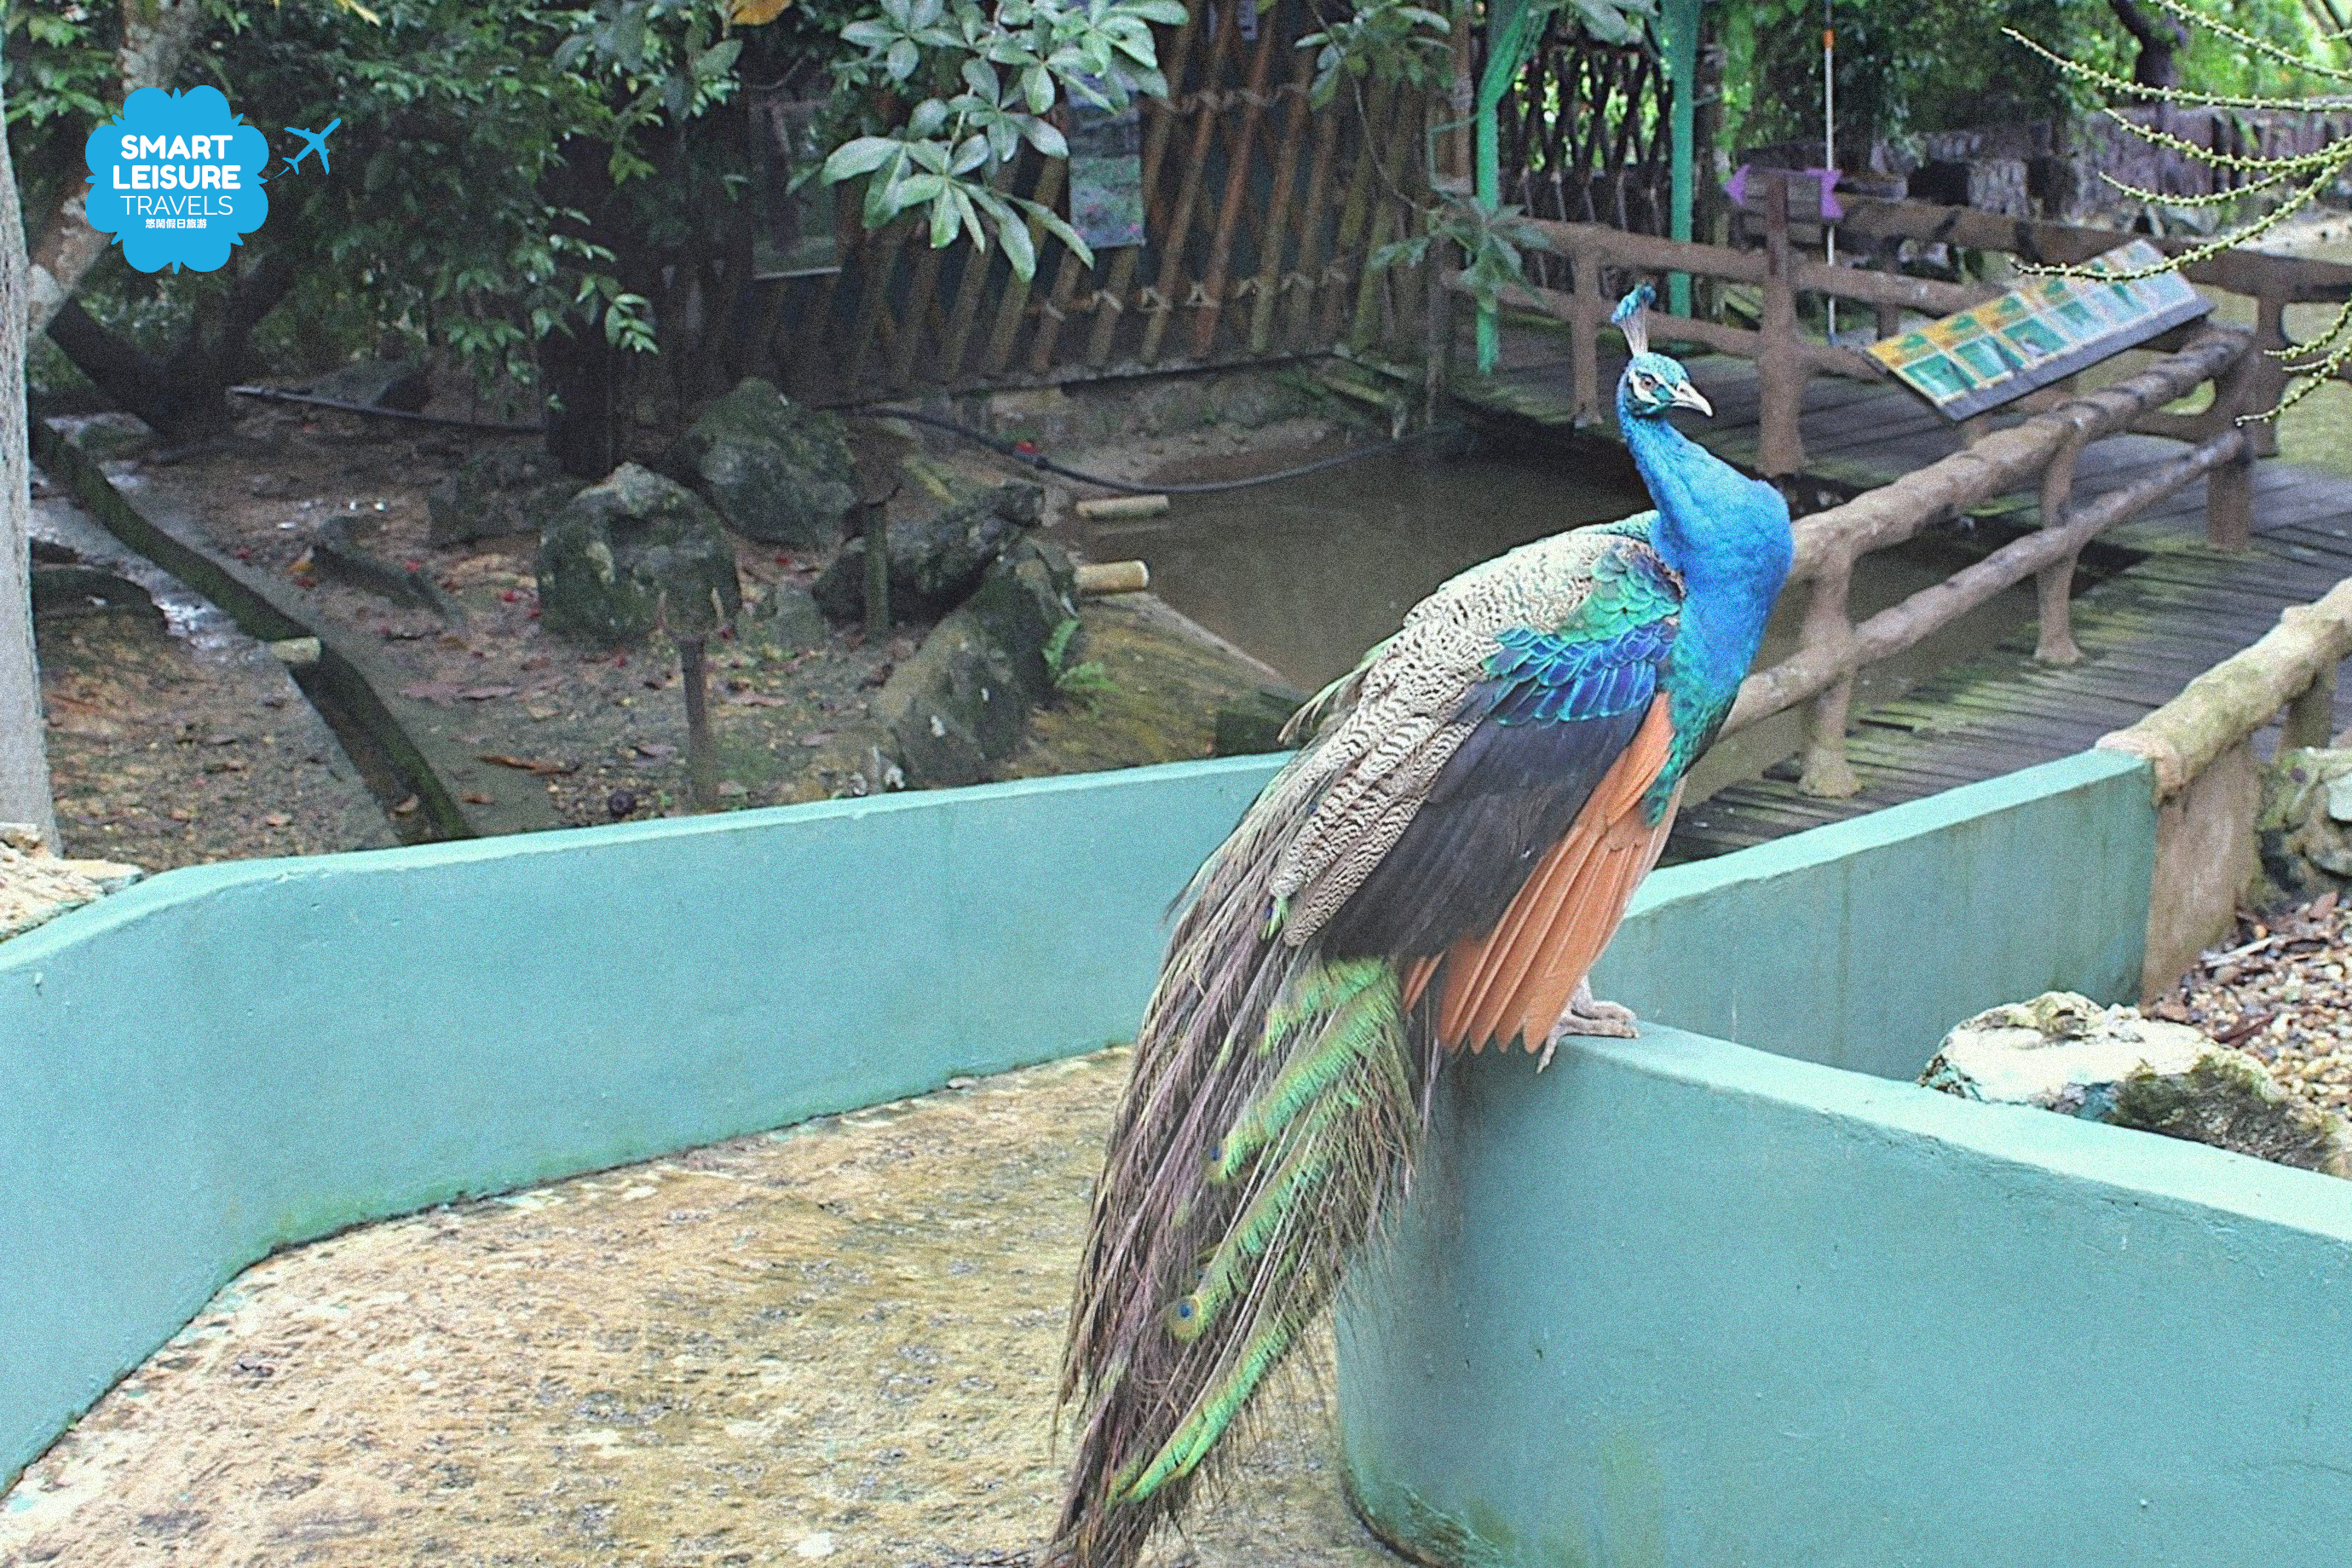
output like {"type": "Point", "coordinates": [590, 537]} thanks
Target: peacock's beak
{"type": "Point", "coordinates": [1688, 397]}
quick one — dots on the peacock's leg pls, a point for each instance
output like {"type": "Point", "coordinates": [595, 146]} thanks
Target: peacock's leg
{"type": "Point", "coordinates": [1587, 1015]}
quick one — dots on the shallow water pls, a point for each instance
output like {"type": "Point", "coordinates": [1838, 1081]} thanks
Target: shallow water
{"type": "Point", "coordinates": [1307, 573]}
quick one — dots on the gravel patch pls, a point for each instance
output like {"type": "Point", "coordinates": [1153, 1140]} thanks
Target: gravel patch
{"type": "Point", "coordinates": [2278, 990]}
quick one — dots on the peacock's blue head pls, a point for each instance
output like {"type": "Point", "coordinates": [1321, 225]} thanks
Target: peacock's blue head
{"type": "Point", "coordinates": [1651, 382]}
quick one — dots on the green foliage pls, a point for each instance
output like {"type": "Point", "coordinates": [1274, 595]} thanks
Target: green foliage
{"type": "Point", "coordinates": [1490, 237]}
{"type": "Point", "coordinates": [2286, 182]}
{"type": "Point", "coordinates": [977, 85]}
{"type": "Point", "coordinates": [1929, 66]}
{"type": "Point", "coordinates": [1943, 64]}
{"type": "Point", "coordinates": [493, 164]}
{"type": "Point", "coordinates": [1385, 39]}
{"type": "Point", "coordinates": [1085, 681]}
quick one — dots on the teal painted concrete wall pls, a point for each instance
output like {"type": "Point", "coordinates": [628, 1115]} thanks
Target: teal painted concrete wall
{"type": "Point", "coordinates": [230, 1057]}
{"type": "Point", "coordinates": [1680, 1302]}
{"type": "Point", "coordinates": [1858, 945]}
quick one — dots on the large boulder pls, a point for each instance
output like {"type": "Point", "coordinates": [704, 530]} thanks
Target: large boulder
{"type": "Point", "coordinates": [2303, 828]}
{"type": "Point", "coordinates": [508, 489]}
{"type": "Point", "coordinates": [936, 564]}
{"type": "Point", "coordinates": [2065, 1053]}
{"type": "Point", "coordinates": [632, 553]}
{"type": "Point", "coordinates": [777, 472]}
{"type": "Point", "coordinates": [961, 703]}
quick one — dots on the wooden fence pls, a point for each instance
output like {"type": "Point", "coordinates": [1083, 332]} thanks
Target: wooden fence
{"type": "Point", "coordinates": [1261, 214]}
{"type": "Point", "coordinates": [1585, 137]}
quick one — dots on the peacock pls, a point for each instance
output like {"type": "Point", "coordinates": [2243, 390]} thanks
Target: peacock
{"type": "Point", "coordinates": [1435, 870]}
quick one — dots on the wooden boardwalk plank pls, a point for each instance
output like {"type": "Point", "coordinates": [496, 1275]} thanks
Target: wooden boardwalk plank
{"type": "Point", "coordinates": [2178, 607]}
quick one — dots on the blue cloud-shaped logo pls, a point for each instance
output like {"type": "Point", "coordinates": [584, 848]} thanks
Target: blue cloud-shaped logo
{"type": "Point", "coordinates": [177, 178]}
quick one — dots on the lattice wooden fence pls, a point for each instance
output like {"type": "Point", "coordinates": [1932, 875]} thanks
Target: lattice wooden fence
{"type": "Point", "coordinates": [1260, 215]}
{"type": "Point", "coordinates": [1585, 138]}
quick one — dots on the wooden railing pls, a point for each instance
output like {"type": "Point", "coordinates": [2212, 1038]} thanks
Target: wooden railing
{"type": "Point", "coordinates": [1787, 357]}
{"type": "Point", "coordinates": [2208, 785]}
{"type": "Point", "coordinates": [2290, 672]}
{"type": "Point", "coordinates": [2041, 451]}
{"type": "Point", "coordinates": [2044, 449]}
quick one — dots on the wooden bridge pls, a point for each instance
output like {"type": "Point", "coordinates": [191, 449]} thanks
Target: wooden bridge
{"type": "Point", "coordinates": [1870, 467]}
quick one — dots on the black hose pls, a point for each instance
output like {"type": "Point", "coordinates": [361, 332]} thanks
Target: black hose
{"type": "Point", "coordinates": [274, 395]}
{"type": "Point", "coordinates": [1002, 447]}
{"type": "Point", "coordinates": [1008, 450]}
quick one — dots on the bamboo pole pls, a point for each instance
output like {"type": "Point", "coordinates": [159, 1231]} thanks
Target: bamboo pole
{"type": "Point", "coordinates": [1277, 207]}
{"type": "Point", "coordinates": [1299, 317]}
{"type": "Point", "coordinates": [1353, 212]}
{"type": "Point", "coordinates": [1188, 195]}
{"type": "Point", "coordinates": [1012, 309]}
{"type": "Point", "coordinates": [1237, 186]}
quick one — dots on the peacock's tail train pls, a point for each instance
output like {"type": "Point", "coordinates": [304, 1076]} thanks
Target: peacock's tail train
{"type": "Point", "coordinates": [1274, 1110]}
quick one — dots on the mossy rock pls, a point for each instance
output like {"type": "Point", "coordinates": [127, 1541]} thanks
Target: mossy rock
{"type": "Point", "coordinates": [937, 562]}
{"type": "Point", "coordinates": [776, 472]}
{"type": "Point", "coordinates": [631, 553]}
{"type": "Point", "coordinates": [508, 489]}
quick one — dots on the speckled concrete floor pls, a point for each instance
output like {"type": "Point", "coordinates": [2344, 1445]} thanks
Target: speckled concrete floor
{"type": "Point", "coordinates": [832, 1343]}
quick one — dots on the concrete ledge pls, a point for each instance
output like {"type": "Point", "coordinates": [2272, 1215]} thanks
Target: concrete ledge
{"type": "Point", "coordinates": [1679, 1302]}
{"type": "Point", "coordinates": [1859, 943]}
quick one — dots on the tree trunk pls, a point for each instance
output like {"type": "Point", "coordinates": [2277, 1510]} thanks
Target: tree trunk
{"type": "Point", "coordinates": [2158, 38]}
{"type": "Point", "coordinates": [23, 752]}
{"type": "Point", "coordinates": [594, 386]}
{"type": "Point", "coordinates": [184, 395]}
{"type": "Point", "coordinates": [156, 36]}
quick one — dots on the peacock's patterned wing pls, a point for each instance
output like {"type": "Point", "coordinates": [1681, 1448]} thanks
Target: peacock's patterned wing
{"type": "Point", "coordinates": [1483, 722]}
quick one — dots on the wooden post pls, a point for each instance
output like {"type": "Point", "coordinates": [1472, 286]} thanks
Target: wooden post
{"type": "Point", "coordinates": [1780, 374]}
{"type": "Point", "coordinates": [1586, 311]}
{"type": "Point", "coordinates": [2266, 376]}
{"type": "Point", "coordinates": [2230, 500]}
{"type": "Point", "coordinates": [877, 570]}
{"type": "Point", "coordinates": [701, 755]}
{"type": "Point", "coordinates": [1828, 625]}
{"type": "Point", "coordinates": [2311, 717]}
{"type": "Point", "coordinates": [2053, 585]}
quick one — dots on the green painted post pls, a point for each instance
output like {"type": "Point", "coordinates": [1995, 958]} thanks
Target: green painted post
{"type": "Point", "coordinates": [1508, 41]}
{"type": "Point", "coordinates": [1678, 21]}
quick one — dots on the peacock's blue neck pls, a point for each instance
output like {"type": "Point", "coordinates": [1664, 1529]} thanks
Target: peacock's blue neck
{"type": "Point", "coordinates": [1725, 534]}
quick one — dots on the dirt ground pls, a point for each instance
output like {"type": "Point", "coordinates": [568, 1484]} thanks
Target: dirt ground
{"type": "Point", "coordinates": [175, 742]}
{"type": "Point", "coordinates": [600, 734]}
{"type": "Point", "coordinates": [835, 1341]}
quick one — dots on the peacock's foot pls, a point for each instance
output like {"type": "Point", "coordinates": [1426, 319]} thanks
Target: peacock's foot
{"type": "Point", "coordinates": [1587, 1015]}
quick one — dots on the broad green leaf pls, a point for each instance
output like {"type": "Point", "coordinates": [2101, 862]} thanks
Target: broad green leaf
{"type": "Point", "coordinates": [861, 156]}
{"type": "Point", "coordinates": [929, 117]}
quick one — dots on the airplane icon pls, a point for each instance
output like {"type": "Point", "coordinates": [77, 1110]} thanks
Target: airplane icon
{"type": "Point", "coordinates": [316, 142]}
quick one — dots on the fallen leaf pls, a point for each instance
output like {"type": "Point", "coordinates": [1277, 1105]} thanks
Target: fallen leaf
{"type": "Point", "coordinates": [181, 814]}
{"type": "Point", "coordinates": [659, 750]}
{"type": "Point", "coordinates": [485, 694]}
{"type": "Point", "coordinates": [279, 819]}
{"type": "Point", "coordinates": [476, 797]}
{"type": "Point", "coordinates": [538, 713]}
{"type": "Point", "coordinates": [406, 808]}
{"type": "Point", "coordinates": [529, 765]}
